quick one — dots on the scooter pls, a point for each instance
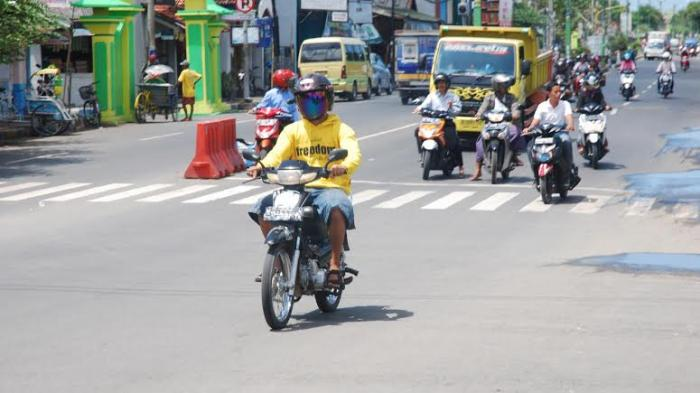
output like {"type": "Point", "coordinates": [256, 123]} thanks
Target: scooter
{"type": "Point", "coordinates": [627, 87]}
{"type": "Point", "coordinates": [592, 124]}
{"type": "Point", "coordinates": [567, 93]}
{"type": "Point", "coordinates": [497, 152]}
{"type": "Point", "coordinates": [269, 124]}
{"type": "Point", "coordinates": [546, 154]}
{"type": "Point", "coordinates": [685, 62]}
{"type": "Point", "coordinates": [434, 151]}
{"type": "Point", "coordinates": [665, 81]}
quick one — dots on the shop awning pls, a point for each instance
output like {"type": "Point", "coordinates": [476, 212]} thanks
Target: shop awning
{"type": "Point", "coordinates": [403, 13]}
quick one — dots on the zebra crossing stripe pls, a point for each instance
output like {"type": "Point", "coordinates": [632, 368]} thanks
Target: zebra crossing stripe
{"type": "Point", "coordinates": [131, 193]}
{"type": "Point", "coordinates": [448, 200]}
{"type": "Point", "coordinates": [402, 200]}
{"type": "Point", "coordinates": [88, 192]}
{"type": "Point", "coordinates": [43, 191]}
{"type": "Point", "coordinates": [366, 195]}
{"type": "Point", "coordinates": [253, 198]}
{"type": "Point", "coordinates": [495, 201]}
{"type": "Point", "coordinates": [536, 206]}
{"type": "Point", "coordinates": [176, 193]}
{"type": "Point", "coordinates": [19, 187]}
{"type": "Point", "coordinates": [640, 206]}
{"type": "Point", "coordinates": [685, 211]}
{"type": "Point", "coordinates": [222, 194]}
{"type": "Point", "coordinates": [590, 204]}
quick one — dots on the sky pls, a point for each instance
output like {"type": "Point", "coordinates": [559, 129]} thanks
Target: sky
{"type": "Point", "coordinates": [666, 5]}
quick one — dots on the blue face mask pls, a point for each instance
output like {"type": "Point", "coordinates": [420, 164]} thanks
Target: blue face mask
{"type": "Point", "coordinates": [313, 104]}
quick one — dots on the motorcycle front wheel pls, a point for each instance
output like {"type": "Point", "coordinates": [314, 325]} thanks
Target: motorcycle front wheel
{"type": "Point", "coordinates": [427, 163]}
{"type": "Point", "coordinates": [546, 189]}
{"type": "Point", "coordinates": [494, 167]}
{"type": "Point", "coordinates": [277, 302]}
{"type": "Point", "coordinates": [594, 156]}
{"type": "Point", "coordinates": [328, 301]}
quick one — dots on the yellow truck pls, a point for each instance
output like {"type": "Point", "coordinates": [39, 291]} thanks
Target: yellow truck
{"type": "Point", "coordinates": [472, 55]}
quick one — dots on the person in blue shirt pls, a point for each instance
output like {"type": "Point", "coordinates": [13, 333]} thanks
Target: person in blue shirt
{"type": "Point", "coordinates": [281, 96]}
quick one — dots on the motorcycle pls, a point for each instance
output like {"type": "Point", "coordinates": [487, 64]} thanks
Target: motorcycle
{"type": "Point", "coordinates": [435, 153]}
{"type": "Point", "coordinates": [298, 256]}
{"type": "Point", "coordinates": [627, 87]}
{"type": "Point", "coordinates": [685, 62]}
{"type": "Point", "coordinates": [546, 154]}
{"type": "Point", "coordinates": [566, 91]}
{"type": "Point", "coordinates": [592, 124]}
{"type": "Point", "coordinates": [497, 152]}
{"type": "Point", "coordinates": [269, 122]}
{"type": "Point", "coordinates": [665, 81]}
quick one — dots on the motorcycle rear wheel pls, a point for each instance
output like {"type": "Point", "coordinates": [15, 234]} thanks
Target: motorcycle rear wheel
{"type": "Point", "coordinates": [594, 156]}
{"type": "Point", "coordinates": [494, 168]}
{"type": "Point", "coordinates": [327, 301]}
{"type": "Point", "coordinates": [277, 303]}
{"type": "Point", "coordinates": [427, 163]}
{"type": "Point", "coordinates": [546, 189]}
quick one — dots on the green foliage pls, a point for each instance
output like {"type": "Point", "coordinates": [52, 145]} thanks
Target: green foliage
{"type": "Point", "coordinates": [687, 20]}
{"type": "Point", "coordinates": [22, 24]}
{"type": "Point", "coordinates": [647, 18]}
{"type": "Point", "coordinates": [618, 42]}
{"type": "Point", "coordinates": [526, 16]}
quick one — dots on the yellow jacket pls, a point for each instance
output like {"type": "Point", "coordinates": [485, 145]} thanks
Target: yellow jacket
{"type": "Point", "coordinates": [311, 143]}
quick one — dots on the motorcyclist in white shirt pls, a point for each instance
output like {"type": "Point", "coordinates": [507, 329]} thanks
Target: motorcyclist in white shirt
{"type": "Point", "coordinates": [667, 66]}
{"type": "Point", "coordinates": [444, 100]}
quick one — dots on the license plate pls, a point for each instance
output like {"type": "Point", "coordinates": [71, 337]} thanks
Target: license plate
{"type": "Point", "coordinates": [466, 124]}
{"type": "Point", "coordinates": [544, 141]}
{"type": "Point", "coordinates": [277, 213]}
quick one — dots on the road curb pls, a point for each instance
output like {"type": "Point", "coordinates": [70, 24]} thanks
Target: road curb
{"type": "Point", "coordinates": [14, 130]}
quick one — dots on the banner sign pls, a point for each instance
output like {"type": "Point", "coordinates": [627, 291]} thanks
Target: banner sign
{"type": "Point", "coordinates": [360, 11]}
{"type": "Point", "coordinates": [325, 5]}
{"type": "Point", "coordinates": [505, 13]}
{"type": "Point", "coordinates": [265, 27]}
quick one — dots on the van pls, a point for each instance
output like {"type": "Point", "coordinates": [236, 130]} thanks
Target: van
{"type": "Point", "coordinates": [344, 61]}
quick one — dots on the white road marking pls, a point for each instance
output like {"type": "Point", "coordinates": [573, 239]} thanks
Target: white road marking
{"type": "Point", "coordinates": [366, 195]}
{"type": "Point", "coordinates": [2, 182]}
{"type": "Point", "coordinates": [613, 112]}
{"type": "Point", "coordinates": [43, 191]}
{"type": "Point", "coordinates": [362, 138]}
{"type": "Point", "coordinates": [253, 198]}
{"type": "Point", "coordinates": [45, 156]}
{"type": "Point", "coordinates": [18, 187]}
{"type": "Point", "coordinates": [403, 199]}
{"type": "Point", "coordinates": [640, 206]}
{"type": "Point", "coordinates": [448, 200]}
{"type": "Point", "coordinates": [536, 206]}
{"type": "Point", "coordinates": [161, 136]}
{"type": "Point", "coordinates": [635, 97]}
{"type": "Point", "coordinates": [245, 121]}
{"type": "Point", "coordinates": [176, 193]}
{"type": "Point", "coordinates": [626, 103]}
{"type": "Point", "coordinates": [685, 211]}
{"type": "Point", "coordinates": [222, 194]}
{"type": "Point", "coordinates": [438, 185]}
{"type": "Point", "coordinates": [590, 205]}
{"type": "Point", "coordinates": [131, 193]}
{"type": "Point", "coordinates": [495, 201]}
{"type": "Point", "coordinates": [88, 192]}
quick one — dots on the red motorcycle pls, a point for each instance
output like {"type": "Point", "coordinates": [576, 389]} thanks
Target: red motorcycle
{"type": "Point", "coordinates": [269, 124]}
{"type": "Point", "coordinates": [685, 62]}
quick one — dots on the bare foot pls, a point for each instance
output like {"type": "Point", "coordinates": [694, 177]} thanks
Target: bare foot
{"type": "Point", "coordinates": [475, 177]}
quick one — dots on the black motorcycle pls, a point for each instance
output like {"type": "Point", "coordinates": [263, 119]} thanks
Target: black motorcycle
{"type": "Point", "coordinates": [299, 252]}
{"type": "Point", "coordinates": [498, 155]}
{"type": "Point", "coordinates": [546, 154]}
{"type": "Point", "coordinates": [665, 82]}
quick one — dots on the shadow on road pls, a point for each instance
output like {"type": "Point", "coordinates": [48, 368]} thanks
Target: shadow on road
{"type": "Point", "coordinates": [316, 319]}
{"type": "Point", "coordinates": [607, 166]}
{"type": "Point", "coordinates": [31, 158]}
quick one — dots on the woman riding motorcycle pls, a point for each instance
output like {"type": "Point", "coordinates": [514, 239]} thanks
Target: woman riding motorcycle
{"type": "Point", "coordinates": [280, 96]}
{"type": "Point", "coordinates": [444, 100]}
{"type": "Point", "coordinates": [627, 64]}
{"type": "Point", "coordinates": [591, 94]}
{"type": "Point", "coordinates": [502, 101]}
{"type": "Point", "coordinates": [665, 67]}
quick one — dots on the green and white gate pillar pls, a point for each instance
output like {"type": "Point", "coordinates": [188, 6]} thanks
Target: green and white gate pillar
{"type": "Point", "coordinates": [203, 26]}
{"type": "Point", "coordinates": [112, 23]}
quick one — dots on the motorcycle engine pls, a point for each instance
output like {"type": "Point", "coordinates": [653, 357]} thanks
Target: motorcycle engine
{"type": "Point", "coordinates": [311, 277]}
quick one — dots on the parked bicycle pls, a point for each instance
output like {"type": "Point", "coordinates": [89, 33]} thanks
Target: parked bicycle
{"type": "Point", "coordinates": [91, 109]}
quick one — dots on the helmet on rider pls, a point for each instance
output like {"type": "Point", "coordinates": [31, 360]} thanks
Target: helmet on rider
{"type": "Point", "coordinates": [314, 96]}
{"type": "Point", "coordinates": [627, 55]}
{"type": "Point", "coordinates": [591, 81]}
{"type": "Point", "coordinates": [595, 60]}
{"type": "Point", "coordinates": [666, 56]}
{"type": "Point", "coordinates": [501, 82]}
{"type": "Point", "coordinates": [441, 77]}
{"type": "Point", "coordinates": [283, 78]}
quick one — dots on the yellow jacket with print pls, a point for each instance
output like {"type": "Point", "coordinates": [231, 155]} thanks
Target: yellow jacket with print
{"type": "Point", "coordinates": [305, 141]}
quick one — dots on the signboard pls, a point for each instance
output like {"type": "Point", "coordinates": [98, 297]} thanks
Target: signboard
{"type": "Point", "coordinates": [505, 13]}
{"type": "Point", "coordinates": [339, 16]}
{"type": "Point", "coordinates": [244, 6]}
{"type": "Point", "coordinates": [325, 5]}
{"type": "Point", "coordinates": [399, 4]}
{"type": "Point", "coordinates": [237, 37]}
{"type": "Point", "coordinates": [265, 26]}
{"type": "Point", "coordinates": [360, 11]}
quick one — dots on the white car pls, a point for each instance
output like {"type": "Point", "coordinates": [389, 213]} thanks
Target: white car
{"type": "Point", "coordinates": [654, 50]}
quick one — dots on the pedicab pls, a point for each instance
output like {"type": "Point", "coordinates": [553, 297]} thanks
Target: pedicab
{"type": "Point", "coordinates": [156, 96]}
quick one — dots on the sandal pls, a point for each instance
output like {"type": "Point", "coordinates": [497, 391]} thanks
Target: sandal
{"type": "Point", "coordinates": [336, 281]}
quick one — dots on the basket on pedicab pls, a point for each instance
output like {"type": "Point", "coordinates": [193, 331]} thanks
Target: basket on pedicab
{"type": "Point", "coordinates": [156, 96]}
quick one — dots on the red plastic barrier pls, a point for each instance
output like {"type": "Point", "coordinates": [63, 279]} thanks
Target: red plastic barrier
{"type": "Point", "coordinates": [215, 155]}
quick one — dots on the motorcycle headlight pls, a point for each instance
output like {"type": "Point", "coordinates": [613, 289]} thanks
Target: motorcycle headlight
{"type": "Point", "coordinates": [291, 177]}
{"type": "Point", "coordinates": [544, 157]}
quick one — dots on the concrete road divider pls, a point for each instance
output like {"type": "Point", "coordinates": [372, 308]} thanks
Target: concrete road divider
{"type": "Point", "coordinates": [216, 154]}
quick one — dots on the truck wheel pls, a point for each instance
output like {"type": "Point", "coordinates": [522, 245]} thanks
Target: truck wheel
{"type": "Point", "coordinates": [404, 100]}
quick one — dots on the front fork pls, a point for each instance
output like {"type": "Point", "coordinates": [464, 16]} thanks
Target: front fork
{"type": "Point", "coordinates": [291, 284]}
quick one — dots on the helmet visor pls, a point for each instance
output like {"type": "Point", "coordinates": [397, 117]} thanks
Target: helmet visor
{"type": "Point", "coordinates": [312, 104]}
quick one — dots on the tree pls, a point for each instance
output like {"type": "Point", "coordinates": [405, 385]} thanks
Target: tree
{"type": "Point", "coordinates": [22, 24]}
{"type": "Point", "coordinates": [527, 16]}
{"type": "Point", "coordinates": [647, 18]}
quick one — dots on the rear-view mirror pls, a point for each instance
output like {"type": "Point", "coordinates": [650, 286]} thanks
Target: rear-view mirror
{"type": "Point", "coordinates": [250, 155]}
{"type": "Point", "coordinates": [525, 67]}
{"type": "Point", "coordinates": [337, 154]}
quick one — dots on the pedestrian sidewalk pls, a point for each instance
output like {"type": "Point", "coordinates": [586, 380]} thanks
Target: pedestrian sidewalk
{"type": "Point", "coordinates": [11, 130]}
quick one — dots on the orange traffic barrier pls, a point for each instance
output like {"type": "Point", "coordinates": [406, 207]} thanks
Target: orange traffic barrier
{"type": "Point", "coordinates": [215, 154]}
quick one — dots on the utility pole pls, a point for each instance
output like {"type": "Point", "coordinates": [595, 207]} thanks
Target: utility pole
{"type": "Point", "coordinates": [567, 29]}
{"type": "Point", "coordinates": [438, 12]}
{"type": "Point", "coordinates": [550, 24]}
{"type": "Point", "coordinates": [476, 18]}
{"type": "Point", "coordinates": [151, 25]}
{"type": "Point", "coordinates": [246, 77]}
{"type": "Point", "coordinates": [393, 38]}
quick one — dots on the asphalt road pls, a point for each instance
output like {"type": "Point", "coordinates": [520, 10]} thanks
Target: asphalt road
{"type": "Point", "coordinates": [120, 276]}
